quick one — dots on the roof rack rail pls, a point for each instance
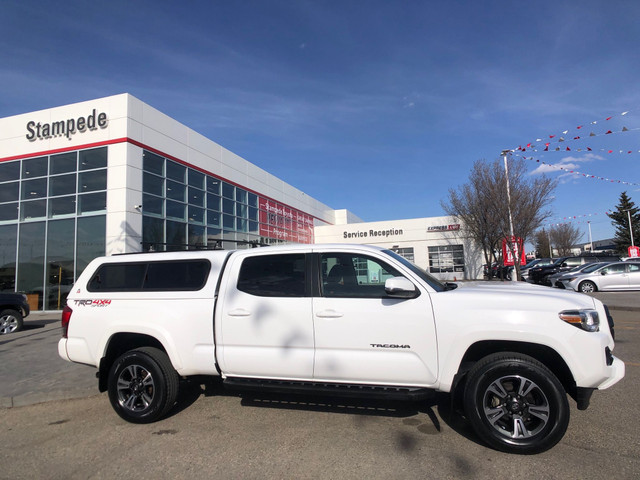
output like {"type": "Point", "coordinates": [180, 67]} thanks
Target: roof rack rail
{"type": "Point", "coordinates": [216, 245]}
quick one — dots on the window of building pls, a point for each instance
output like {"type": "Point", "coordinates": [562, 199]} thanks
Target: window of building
{"type": "Point", "coordinates": [446, 259]}
{"type": "Point", "coordinates": [406, 252]}
{"type": "Point", "coordinates": [92, 159]}
{"type": "Point", "coordinates": [176, 172]}
{"type": "Point", "coordinates": [273, 275]}
{"type": "Point", "coordinates": [35, 167]}
{"type": "Point", "coordinates": [63, 163]}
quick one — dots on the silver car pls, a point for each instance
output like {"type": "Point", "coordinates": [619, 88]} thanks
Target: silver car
{"type": "Point", "coordinates": [556, 277]}
{"type": "Point", "coordinates": [603, 277]}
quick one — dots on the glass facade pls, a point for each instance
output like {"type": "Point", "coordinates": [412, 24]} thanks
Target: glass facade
{"type": "Point", "coordinates": [184, 208]}
{"type": "Point", "coordinates": [52, 222]}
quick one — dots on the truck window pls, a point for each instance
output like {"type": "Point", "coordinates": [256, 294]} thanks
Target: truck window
{"type": "Point", "coordinates": [355, 276]}
{"type": "Point", "coordinates": [164, 276]}
{"type": "Point", "coordinates": [273, 275]}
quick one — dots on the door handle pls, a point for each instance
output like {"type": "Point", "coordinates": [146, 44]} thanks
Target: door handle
{"type": "Point", "coordinates": [329, 314]}
{"type": "Point", "coordinates": [239, 312]}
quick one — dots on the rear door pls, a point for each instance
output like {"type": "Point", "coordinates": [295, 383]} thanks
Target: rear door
{"type": "Point", "coordinates": [634, 276]}
{"type": "Point", "coordinates": [364, 336]}
{"type": "Point", "coordinates": [614, 277]}
{"type": "Point", "coordinates": [264, 326]}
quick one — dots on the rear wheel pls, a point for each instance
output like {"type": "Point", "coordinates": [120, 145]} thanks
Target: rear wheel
{"type": "Point", "coordinates": [142, 385]}
{"type": "Point", "coordinates": [516, 404]}
{"type": "Point", "coordinates": [587, 287]}
{"type": "Point", "coordinates": [10, 321]}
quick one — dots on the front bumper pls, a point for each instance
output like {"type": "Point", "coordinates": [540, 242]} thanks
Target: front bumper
{"type": "Point", "coordinates": [618, 370]}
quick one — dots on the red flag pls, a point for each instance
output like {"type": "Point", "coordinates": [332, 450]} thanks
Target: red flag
{"type": "Point", "coordinates": [576, 138]}
{"type": "Point", "coordinates": [551, 136]}
{"type": "Point", "coordinates": [579, 127]}
{"type": "Point", "coordinates": [609, 118]}
{"type": "Point", "coordinates": [608, 132]}
{"type": "Point", "coordinates": [588, 148]}
{"type": "Point", "coordinates": [568, 149]}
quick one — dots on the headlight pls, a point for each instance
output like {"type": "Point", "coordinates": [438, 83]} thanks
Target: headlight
{"type": "Point", "coordinates": [586, 319]}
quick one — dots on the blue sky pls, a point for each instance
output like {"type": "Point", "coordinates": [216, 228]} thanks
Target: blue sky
{"type": "Point", "coordinates": [379, 107]}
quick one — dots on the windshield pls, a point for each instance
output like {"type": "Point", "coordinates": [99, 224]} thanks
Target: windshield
{"type": "Point", "coordinates": [432, 281]}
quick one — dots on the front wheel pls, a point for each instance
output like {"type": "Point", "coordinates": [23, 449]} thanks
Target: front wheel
{"type": "Point", "coordinates": [587, 287]}
{"type": "Point", "coordinates": [10, 321]}
{"type": "Point", "coordinates": [516, 404]}
{"type": "Point", "coordinates": [142, 385]}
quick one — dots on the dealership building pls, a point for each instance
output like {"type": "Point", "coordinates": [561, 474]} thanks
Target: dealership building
{"type": "Point", "coordinates": [114, 175]}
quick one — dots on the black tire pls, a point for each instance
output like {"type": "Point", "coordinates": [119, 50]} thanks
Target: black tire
{"type": "Point", "coordinates": [516, 404]}
{"type": "Point", "coordinates": [143, 385]}
{"type": "Point", "coordinates": [10, 321]}
{"type": "Point", "coordinates": [587, 287]}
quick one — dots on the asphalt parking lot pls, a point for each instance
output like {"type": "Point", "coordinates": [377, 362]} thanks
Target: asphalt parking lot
{"type": "Point", "coordinates": [54, 424]}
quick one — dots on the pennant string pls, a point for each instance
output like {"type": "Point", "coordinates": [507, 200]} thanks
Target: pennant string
{"type": "Point", "coordinates": [579, 127]}
{"type": "Point", "coordinates": [575, 172]}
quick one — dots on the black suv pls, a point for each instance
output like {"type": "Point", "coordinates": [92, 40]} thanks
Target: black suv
{"type": "Point", "coordinates": [540, 275]}
{"type": "Point", "coordinates": [13, 308]}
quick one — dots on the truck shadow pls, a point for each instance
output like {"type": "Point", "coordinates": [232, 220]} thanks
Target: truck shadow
{"type": "Point", "coordinates": [424, 417]}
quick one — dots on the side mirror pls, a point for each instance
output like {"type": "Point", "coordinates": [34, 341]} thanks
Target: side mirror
{"type": "Point", "coordinates": [400, 287]}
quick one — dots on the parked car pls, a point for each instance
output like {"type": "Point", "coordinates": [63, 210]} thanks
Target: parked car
{"type": "Point", "coordinates": [604, 277]}
{"type": "Point", "coordinates": [554, 280]}
{"type": "Point", "coordinates": [13, 309]}
{"type": "Point", "coordinates": [540, 275]}
{"type": "Point", "coordinates": [538, 262]}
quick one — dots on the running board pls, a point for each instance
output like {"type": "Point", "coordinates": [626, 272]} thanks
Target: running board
{"type": "Point", "coordinates": [324, 388]}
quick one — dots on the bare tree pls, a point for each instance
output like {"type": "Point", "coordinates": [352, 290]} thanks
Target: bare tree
{"type": "Point", "coordinates": [565, 236]}
{"type": "Point", "coordinates": [482, 203]}
{"type": "Point", "coordinates": [472, 204]}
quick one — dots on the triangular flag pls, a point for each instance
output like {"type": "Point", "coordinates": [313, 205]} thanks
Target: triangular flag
{"type": "Point", "coordinates": [561, 139]}
{"type": "Point", "coordinates": [576, 138]}
{"type": "Point", "coordinates": [592, 134]}
{"type": "Point", "coordinates": [608, 118]}
{"type": "Point", "coordinates": [608, 132]}
{"type": "Point", "coordinates": [624, 113]}
{"type": "Point", "coordinates": [625, 129]}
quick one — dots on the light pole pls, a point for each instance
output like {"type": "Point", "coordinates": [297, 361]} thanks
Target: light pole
{"type": "Point", "coordinates": [514, 251]}
{"type": "Point", "coordinates": [630, 229]}
{"type": "Point", "coordinates": [590, 241]}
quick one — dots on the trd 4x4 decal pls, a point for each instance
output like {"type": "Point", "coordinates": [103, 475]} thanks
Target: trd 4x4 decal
{"type": "Point", "coordinates": [92, 303]}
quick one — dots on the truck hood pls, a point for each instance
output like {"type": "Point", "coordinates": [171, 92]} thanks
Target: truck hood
{"type": "Point", "coordinates": [521, 296]}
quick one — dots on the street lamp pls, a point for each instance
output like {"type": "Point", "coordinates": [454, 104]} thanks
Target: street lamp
{"type": "Point", "coordinates": [630, 229]}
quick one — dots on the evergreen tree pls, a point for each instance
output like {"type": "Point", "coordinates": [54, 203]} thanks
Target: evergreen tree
{"type": "Point", "coordinates": [620, 220]}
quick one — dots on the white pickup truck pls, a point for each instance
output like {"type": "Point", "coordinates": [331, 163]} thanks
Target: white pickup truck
{"type": "Point", "coordinates": [340, 319]}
